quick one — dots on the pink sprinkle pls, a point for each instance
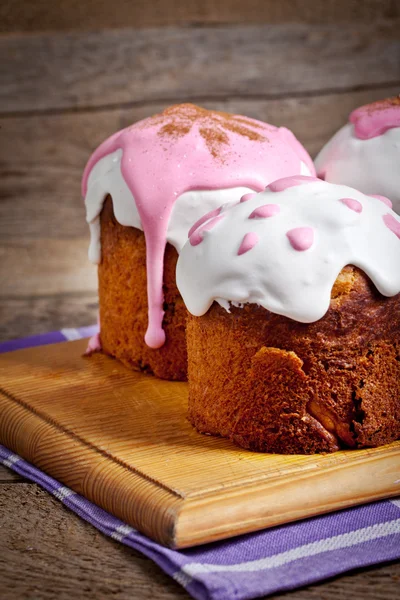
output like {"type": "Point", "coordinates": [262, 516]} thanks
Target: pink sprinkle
{"type": "Point", "coordinates": [382, 199]}
{"type": "Point", "coordinates": [392, 224]}
{"type": "Point", "coordinates": [287, 182]}
{"type": "Point", "coordinates": [265, 211]}
{"type": "Point", "coordinates": [198, 235]}
{"type": "Point", "coordinates": [209, 215]}
{"type": "Point", "coordinates": [301, 238]}
{"type": "Point", "coordinates": [352, 204]}
{"type": "Point", "coordinates": [248, 242]}
{"type": "Point", "coordinates": [247, 197]}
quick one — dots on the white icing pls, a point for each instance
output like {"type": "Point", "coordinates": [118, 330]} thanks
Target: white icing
{"type": "Point", "coordinates": [293, 283]}
{"type": "Point", "coordinates": [190, 206]}
{"type": "Point", "coordinates": [106, 178]}
{"type": "Point", "coordinates": [304, 170]}
{"type": "Point", "coordinates": [371, 166]}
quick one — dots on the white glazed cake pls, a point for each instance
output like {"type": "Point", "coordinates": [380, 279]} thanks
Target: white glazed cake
{"type": "Point", "coordinates": [294, 342]}
{"type": "Point", "coordinates": [365, 153]}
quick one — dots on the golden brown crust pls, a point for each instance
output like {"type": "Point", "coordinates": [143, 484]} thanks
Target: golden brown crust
{"type": "Point", "coordinates": [123, 302]}
{"type": "Point", "coordinates": [275, 385]}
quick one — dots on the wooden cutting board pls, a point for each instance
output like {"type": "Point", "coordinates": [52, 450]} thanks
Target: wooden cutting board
{"type": "Point", "coordinates": [122, 440]}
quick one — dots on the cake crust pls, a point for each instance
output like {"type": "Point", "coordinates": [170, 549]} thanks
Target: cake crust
{"type": "Point", "coordinates": [272, 384]}
{"type": "Point", "coordinates": [124, 307]}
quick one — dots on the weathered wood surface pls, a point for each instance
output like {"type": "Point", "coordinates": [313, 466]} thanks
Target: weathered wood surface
{"type": "Point", "coordinates": [8, 476]}
{"type": "Point", "coordinates": [48, 553]}
{"type": "Point", "coordinates": [95, 14]}
{"type": "Point", "coordinates": [116, 455]}
{"type": "Point", "coordinates": [107, 68]}
{"type": "Point", "coordinates": [40, 189]}
{"type": "Point", "coordinates": [45, 266]}
{"type": "Point", "coordinates": [70, 558]}
{"type": "Point", "coordinates": [43, 233]}
{"type": "Point", "coordinates": [30, 315]}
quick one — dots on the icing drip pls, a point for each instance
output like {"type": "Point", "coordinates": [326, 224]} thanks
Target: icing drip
{"type": "Point", "coordinates": [374, 119]}
{"type": "Point", "coordinates": [198, 235]}
{"type": "Point", "coordinates": [209, 215]}
{"type": "Point", "coordinates": [94, 345]}
{"type": "Point", "coordinates": [148, 167]}
{"type": "Point", "coordinates": [297, 254]}
{"type": "Point", "coordinates": [365, 153]}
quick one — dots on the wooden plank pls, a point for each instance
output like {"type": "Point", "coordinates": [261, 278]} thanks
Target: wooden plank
{"type": "Point", "coordinates": [43, 233]}
{"type": "Point", "coordinates": [8, 476]}
{"type": "Point", "coordinates": [55, 266]}
{"type": "Point", "coordinates": [24, 316]}
{"type": "Point", "coordinates": [58, 555]}
{"type": "Point", "coordinates": [138, 457]}
{"type": "Point", "coordinates": [94, 69]}
{"type": "Point", "coordinates": [96, 14]}
{"type": "Point", "coordinates": [42, 163]}
{"type": "Point", "coordinates": [61, 556]}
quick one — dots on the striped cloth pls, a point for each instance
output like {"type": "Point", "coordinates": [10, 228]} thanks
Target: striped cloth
{"type": "Point", "coordinates": [252, 565]}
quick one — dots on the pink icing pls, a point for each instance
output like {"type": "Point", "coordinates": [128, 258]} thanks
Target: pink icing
{"type": "Point", "coordinates": [374, 119]}
{"type": "Point", "coordinates": [352, 204]}
{"type": "Point", "coordinates": [189, 148]}
{"type": "Point", "coordinates": [301, 238]}
{"type": "Point", "coordinates": [392, 224]}
{"type": "Point", "coordinates": [247, 197]}
{"type": "Point", "coordinates": [382, 199]}
{"type": "Point", "coordinates": [94, 344]}
{"type": "Point", "coordinates": [198, 235]}
{"type": "Point", "coordinates": [265, 211]}
{"type": "Point", "coordinates": [209, 215]}
{"type": "Point", "coordinates": [248, 242]}
{"type": "Point", "coordinates": [298, 149]}
{"type": "Point", "coordinates": [287, 182]}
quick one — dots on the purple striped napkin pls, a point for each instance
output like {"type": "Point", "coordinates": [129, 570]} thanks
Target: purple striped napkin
{"type": "Point", "coordinates": [252, 565]}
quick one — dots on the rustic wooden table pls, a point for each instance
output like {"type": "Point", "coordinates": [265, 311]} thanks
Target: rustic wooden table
{"type": "Point", "coordinates": [304, 65]}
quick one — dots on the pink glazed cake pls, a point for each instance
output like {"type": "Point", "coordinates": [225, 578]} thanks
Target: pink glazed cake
{"type": "Point", "coordinates": [144, 188]}
{"type": "Point", "coordinates": [365, 153]}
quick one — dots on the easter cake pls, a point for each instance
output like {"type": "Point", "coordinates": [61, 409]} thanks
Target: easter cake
{"type": "Point", "coordinates": [294, 332]}
{"type": "Point", "coordinates": [144, 187]}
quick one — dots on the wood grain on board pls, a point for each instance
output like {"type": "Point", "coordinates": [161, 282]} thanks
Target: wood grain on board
{"type": "Point", "coordinates": [93, 69]}
{"type": "Point", "coordinates": [95, 14]}
{"type": "Point", "coordinates": [137, 456]}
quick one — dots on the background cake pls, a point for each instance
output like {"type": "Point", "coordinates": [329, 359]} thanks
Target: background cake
{"type": "Point", "coordinates": [365, 153]}
{"type": "Point", "coordinates": [144, 187]}
{"type": "Point", "coordinates": [294, 342]}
